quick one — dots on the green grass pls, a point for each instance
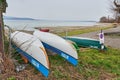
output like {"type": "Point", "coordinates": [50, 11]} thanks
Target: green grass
{"type": "Point", "coordinates": [11, 78]}
{"type": "Point", "coordinates": [94, 60]}
{"type": "Point", "coordinates": [93, 64]}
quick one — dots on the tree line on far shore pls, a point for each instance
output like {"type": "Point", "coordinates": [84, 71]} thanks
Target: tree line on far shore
{"type": "Point", "coordinates": [105, 19]}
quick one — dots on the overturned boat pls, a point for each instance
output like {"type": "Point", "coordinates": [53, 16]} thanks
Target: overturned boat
{"type": "Point", "coordinates": [87, 42]}
{"type": "Point", "coordinates": [58, 45]}
{"type": "Point", "coordinates": [31, 48]}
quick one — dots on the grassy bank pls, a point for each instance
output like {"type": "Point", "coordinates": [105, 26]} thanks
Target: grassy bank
{"type": "Point", "coordinates": [92, 65]}
{"type": "Point", "coordinates": [84, 30]}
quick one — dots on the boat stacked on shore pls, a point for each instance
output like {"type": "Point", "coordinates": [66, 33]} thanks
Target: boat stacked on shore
{"type": "Point", "coordinates": [87, 42]}
{"type": "Point", "coordinates": [33, 47]}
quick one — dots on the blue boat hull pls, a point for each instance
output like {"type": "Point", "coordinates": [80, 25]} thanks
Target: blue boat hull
{"type": "Point", "coordinates": [33, 61]}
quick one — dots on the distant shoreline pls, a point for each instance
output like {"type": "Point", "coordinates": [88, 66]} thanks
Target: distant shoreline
{"type": "Point", "coordinates": [20, 24]}
{"type": "Point", "coordinates": [26, 18]}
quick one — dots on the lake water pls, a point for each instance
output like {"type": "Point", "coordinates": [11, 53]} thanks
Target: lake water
{"type": "Point", "coordinates": [30, 24]}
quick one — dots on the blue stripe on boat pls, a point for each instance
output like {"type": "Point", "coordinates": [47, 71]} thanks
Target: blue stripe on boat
{"type": "Point", "coordinates": [34, 62]}
{"type": "Point", "coordinates": [61, 53]}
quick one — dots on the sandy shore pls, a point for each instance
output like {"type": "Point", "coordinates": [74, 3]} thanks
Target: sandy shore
{"type": "Point", "coordinates": [59, 29]}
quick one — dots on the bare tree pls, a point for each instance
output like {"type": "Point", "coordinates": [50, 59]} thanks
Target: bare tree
{"type": "Point", "coordinates": [115, 8]}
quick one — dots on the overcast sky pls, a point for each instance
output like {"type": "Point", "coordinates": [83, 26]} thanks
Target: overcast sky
{"type": "Point", "coordinates": [59, 9]}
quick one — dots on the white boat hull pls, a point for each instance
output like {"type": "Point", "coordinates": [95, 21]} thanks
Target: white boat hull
{"type": "Point", "coordinates": [58, 45]}
{"type": "Point", "coordinates": [31, 47]}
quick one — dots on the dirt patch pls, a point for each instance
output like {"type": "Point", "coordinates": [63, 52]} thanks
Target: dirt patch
{"type": "Point", "coordinates": [10, 73]}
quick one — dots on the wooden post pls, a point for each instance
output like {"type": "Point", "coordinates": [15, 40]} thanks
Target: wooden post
{"type": "Point", "coordinates": [3, 5]}
{"type": "Point", "coordinates": [1, 35]}
{"type": "Point", "coordinates": [1, 44]}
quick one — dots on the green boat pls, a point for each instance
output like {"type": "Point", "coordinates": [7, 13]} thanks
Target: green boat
{"type": "Point", "coordinates": [87, 42]}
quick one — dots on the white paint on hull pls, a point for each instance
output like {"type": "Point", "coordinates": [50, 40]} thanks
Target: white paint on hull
{"type": "Point", "coordinates": [57, 42]}
{"type": "Point", "coordinates": [31, 45]}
